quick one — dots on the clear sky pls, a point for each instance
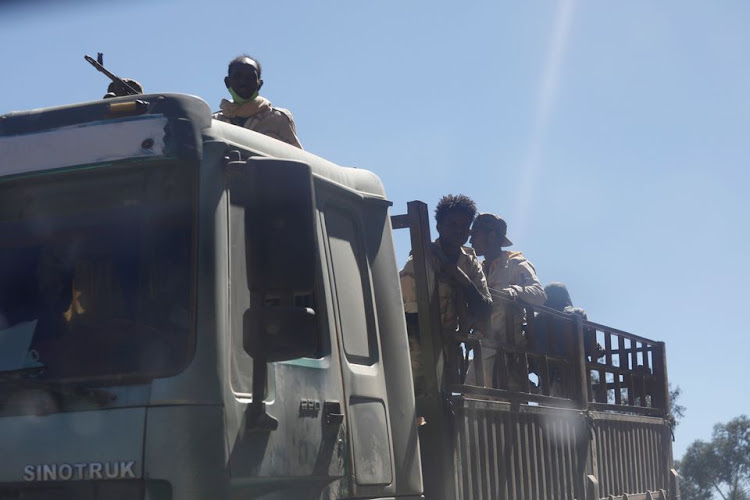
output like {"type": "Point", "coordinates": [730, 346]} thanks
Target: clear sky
{"type": "Point", "coordinates": [612, 136]}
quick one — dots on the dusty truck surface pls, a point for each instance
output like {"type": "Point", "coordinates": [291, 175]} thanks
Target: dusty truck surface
{"type": "Point", "coordinates": [192, 310]}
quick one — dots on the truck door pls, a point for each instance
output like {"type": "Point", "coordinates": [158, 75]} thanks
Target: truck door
{"type": "Point", "coordinates": [355, 321]}
{"type": "Point", "coordinates": [297, 449]}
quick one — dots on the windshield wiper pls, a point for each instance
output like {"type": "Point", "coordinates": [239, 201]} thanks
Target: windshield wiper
{"type": "Point", "coordinates": [27, 378]}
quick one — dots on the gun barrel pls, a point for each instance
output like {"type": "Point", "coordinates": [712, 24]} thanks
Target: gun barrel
{"type": "Point", "coordinates": [130, 90]}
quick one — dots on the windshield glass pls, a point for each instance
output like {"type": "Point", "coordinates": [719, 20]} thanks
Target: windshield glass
{"type": "Point", "coordinates": [95, 272]}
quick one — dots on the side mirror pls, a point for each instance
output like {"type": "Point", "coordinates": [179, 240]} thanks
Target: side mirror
{"type": "Point", "coordinates": [280, 333]}
{"type": "Point", "coordinates": [281, 254]}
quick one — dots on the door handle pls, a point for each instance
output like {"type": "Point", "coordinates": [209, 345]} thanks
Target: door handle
{"type": "Point", "coordinates": [332, 412]}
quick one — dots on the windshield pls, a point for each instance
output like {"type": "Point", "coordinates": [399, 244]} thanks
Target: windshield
{"type": "Point", "coordinates": [95, 272]}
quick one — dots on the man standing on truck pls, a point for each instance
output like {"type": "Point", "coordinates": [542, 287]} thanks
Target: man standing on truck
{"type": "Point", "coordinates": [250, 110]}
{"type": "Point", "coordinates": [116, 89]}
{"type": "Point", "coordinates": [462, 288]}
{"type": "Point", "coordinates": [510, 277]}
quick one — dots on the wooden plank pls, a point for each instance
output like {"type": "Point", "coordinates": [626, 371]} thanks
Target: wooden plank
{"type": "Point", "coordinates": [635, 484]}
{"type": "Point", "coordinates": [609, 458]}
{"type": "Point", "coordinates": [608, 349]}
{"type": "Point", "coordinates": [537, 478]}
{"type": "Point", "coordinates": [495, 462]}
{"type": "Point", "coordinates": [592, 488]}
{"type": "Point", "coordinates": [570, 457]}
{"type": "Point", "coordinates": [471, 463]}
{"type": "Point", "coordinates": [506, 445]}
{"type": "Point", "coordinates": [513, 446]}
{"type": "Point", "coordinates": [486, 456]}
{"type": "Point", "coordinates": [616, 461]}
{"type": "Point", "coordinates": [601, 471]}
{"type": "Point", "coordinates": [615, 331]}
{"type": "Point", "coordinates": [647, 465]}
{"type": "Point", "coordinates": [655, 454]}
{"type": "Point", "coordinates": [582, 375]}
{"type": "Point", "coordinates": [636, 410]}
{"type": "Point", "coordinates": [525, 453]}
{"type": "Point", "coordinates": [563, 459]}
{"type": "Point", "coordinates": [601, 389]}
{"type": "Point", "coordinates": [631, 392]}
{"type": "Point", "coordinates": [436, 442]}
{"type": "Point", "coordinates": [400, 221]}
{"type": "Point", "coordinates": [627, 459]}
{"type": "Point", "coordinates": [459, 454]}
{"type": "Point", "coordinates": [639, 458]}
{"type": "Point", "coordinates": [618, 389]}
{"type": "Point", "coordinates": [549, 464]}
{"type": "Point", "coordinates": [557, 489]}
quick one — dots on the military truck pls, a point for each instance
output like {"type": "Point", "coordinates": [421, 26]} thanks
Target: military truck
{"type": "Point", "coordinates": [192, 310]}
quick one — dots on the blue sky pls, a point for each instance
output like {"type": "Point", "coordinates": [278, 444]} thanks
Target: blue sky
{"type": "Point", "coordinates": [612, 136]}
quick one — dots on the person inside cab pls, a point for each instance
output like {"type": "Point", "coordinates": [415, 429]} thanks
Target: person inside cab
{"type": "Point", "coordinates": [250, 110]}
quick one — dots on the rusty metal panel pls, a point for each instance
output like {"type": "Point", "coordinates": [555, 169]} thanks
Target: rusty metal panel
{"type": "Point", "coordinates": [503, 453]}
{"type": "Point", "coordinates": [649, 495]}
{"type": "Point", "coordinates": [509, 452]}
{"type": "Point", "coordinates": [632, 454]}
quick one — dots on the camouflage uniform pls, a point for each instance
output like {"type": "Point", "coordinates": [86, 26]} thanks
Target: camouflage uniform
{"type": "Point", "coordinates": [260, 116]}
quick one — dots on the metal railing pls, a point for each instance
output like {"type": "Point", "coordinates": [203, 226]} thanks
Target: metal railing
{"type": "Point", "coordinates": [566, 362]}
{"type": "Point", "coordinates": [557, 420]}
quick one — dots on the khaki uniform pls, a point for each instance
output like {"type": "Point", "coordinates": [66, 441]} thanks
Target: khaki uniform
{"type": "Point", "coordinates": [512, 274]}
{"type": "Point", "coordinates": [453, 309]}
{"type": "Point", "coordinates": [260, 116]}
{"type": "Point", "coordinates": [452, 304]}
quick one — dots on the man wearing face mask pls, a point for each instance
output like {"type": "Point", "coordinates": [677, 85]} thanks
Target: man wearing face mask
{"type": "Point", "coordinates": [250, 110]}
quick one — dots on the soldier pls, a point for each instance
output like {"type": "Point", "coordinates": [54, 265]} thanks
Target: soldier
{"type": "Point", "coordinates": [511, 276]}
{"type": "Point", "coordinates": [116, 89]}
{"type": "Point", "coordinates": [250, 110]}
{"type": "Point", "coordinates": [462, 288]}
{"type": "Point", "coordinates": [558, 298]}
{"type": "Point", "coordinates": [554, 336]}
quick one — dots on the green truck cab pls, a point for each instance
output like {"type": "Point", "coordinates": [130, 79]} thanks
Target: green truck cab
{"type": "Point", "coordinates": [192, 310]}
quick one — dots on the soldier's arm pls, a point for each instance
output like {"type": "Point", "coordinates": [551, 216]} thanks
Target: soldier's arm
{"type": "Point", "coordinates": [287, 130]}
{"type": "Point", "coordinates": [478, 296]}
{"type": "Point", "coordinates": [527, 286]}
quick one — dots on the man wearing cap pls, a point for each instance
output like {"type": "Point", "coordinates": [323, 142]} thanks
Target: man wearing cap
{"type": "Point", "coordinates": [462, 288]}
{"type": "Point", "coordinates": [509, 275]}
{"type": "Point", "coordinates": [250, 110]}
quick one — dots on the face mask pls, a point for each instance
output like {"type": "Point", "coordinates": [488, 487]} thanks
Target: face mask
{"type": "Point", "coordinates": [239, 100]}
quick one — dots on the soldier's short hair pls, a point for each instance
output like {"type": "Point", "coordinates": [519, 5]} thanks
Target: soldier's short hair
{"type": "Point", "coordinates": [455, 203]}
{"type": "Point", "coordinates": [241, 60]}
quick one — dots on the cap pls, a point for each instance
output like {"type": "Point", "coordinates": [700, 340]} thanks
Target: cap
{"type": "Point", "coordinates": [492, 222]}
